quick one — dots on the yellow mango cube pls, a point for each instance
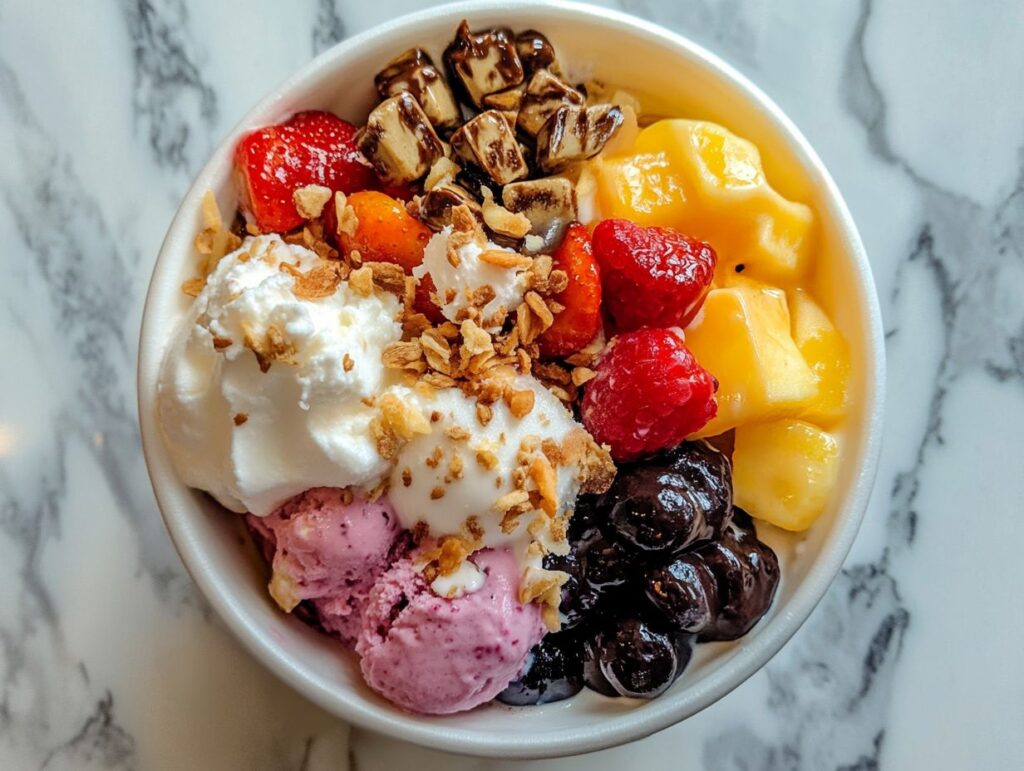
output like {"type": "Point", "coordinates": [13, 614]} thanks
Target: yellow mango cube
{"type": "Point", "coordinates": [827, 354]}
{"type": "Point", "coordinates": [707, 182]}
{"type": "Point", "coordinates": [742, 337]}
{"type": "Point", "coordinates": [784, 471]}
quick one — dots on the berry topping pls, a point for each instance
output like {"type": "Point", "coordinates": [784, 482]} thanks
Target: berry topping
{"type": "Point", "coordinates": [385, 231]}
{"type": "Point", "coordinates": [685, 592]}
{"type": "Point", "coordinates": [649, 393]}
{"type": "Point", "coordinates": [607, 564]}
{"type": "Point", "coordinates": [311, 148]}
{"type": "Point", "coordinates": [578, 597]}
{"type": "Point", "coordinates": [631, 657]}
{"type": "Point", "coordinates": [553, 672]}
{"type": "Point", "coordinates": [652, 277]}
{"type": "Point", "coordinates": [747, 575]}
{"type": "Point", "coordinates": [666, 504]}
{"type": "Point", "coordinates": [580, 321]}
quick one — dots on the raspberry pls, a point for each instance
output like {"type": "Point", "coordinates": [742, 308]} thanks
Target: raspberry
{"type": "Point", "coordinates": [649, 394]}
{"type": "Point", "coordinates": [652, 277]}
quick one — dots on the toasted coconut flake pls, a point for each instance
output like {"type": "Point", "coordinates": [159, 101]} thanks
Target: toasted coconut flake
{"type": "Point", "coordinates": [581, 375]}
{"type": "Point", "coordinates": [193, 286]}
{"type": "Point", "coordinates": [501, 220]}
{"type": "Point", "coordinates": [310, 200]}
{"type": "Point", "coordinates": [511, 500]}
{"type": "Point", "coordinates": [537, 581]}
{"type": "Point", "coordinates": [540, 308]}
{"type": "Point", "coordinates": [474, 339]}
{"type": "Point", "coordinates": [504, 259]}
{"type": "Point", "coordinates": [520, 402]}
{"type": "Point", "coordinates": [348, 222]}
{"type": "Point", "coordinates": [404, 355]}
{"type": "Point", "coordinates": [402, 417]}
{"type": "Point", "coordinates": [388, 276]}
{"type": "Point", "coordinates": [272, 347]}
{"type": "Point", "coordinates": [543, 475]}
{"type": "Point", "coordinates": [320, 281]}
{"type": "Point", "coordinates": [361, 281]}
{"type": "Point", "coordinates": [283, 589]}
{"type": "Point", "coordinates": [444, 168]}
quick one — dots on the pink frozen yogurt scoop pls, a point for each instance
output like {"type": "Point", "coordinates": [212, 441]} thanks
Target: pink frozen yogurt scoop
{"type": "Point", "coordinates": [435, 655]}
{"type": "Point", "coordinates": [331, 549]}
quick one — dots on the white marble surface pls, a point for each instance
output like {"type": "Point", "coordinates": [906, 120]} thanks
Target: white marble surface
{"type": "Point", "coordinates": [109, 659]}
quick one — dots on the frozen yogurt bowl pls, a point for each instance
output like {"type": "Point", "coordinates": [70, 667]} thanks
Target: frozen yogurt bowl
{"type": "Point", "coordinates": [673, 77]}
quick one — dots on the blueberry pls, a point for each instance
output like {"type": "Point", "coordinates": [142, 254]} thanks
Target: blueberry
{"type": "Point", "coordinates": [553, 672]}
{"type": "Point", "coordinates": [663, 505]}
{"type": "Point", "coordinates": [685, 592]}
{"type": "Point", "coordinates": [631, 657]}
{"type": "Point", "coordinates": [746, 575]}
{"type": "Point", "coordinates": [606, 563]}
{"type": "Point", "coordinates": [578, 598]}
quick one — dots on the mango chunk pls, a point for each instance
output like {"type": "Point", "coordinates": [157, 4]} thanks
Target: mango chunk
{"type": "Point", "coordinates": [742, 337]}
{"type": "Point", "coordinates": [827, 354]}
{"type": "Point", "coordinates": [784, 472]}
{"type": "Point", "coordinates": [707, 182]}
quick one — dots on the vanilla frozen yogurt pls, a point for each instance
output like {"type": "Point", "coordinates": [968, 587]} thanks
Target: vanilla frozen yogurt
{"type": "Point", "coordinates": [262, 393]}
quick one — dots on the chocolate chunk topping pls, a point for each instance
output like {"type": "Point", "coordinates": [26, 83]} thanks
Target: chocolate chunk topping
{"type": "Point", "coordinates": [483, 62]}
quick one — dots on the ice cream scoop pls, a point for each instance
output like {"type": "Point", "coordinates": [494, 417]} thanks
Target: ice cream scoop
{"type": "Point", "coordinates": [329, 547]}
{"type": "Point", "coordinates": [435, 655]}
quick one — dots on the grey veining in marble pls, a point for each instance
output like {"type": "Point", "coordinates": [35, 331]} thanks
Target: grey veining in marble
{"type": "Point", "coordinates": [109, 658]}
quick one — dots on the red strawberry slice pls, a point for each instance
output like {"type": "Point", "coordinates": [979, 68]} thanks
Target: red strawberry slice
{"type": "Point", "coordinates": [310, 148]}
{"type": "Point", "coordinates": [575, 326]}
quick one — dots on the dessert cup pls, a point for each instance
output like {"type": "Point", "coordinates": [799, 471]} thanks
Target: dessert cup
{"type": "Point", "coordinates": [678, 78]}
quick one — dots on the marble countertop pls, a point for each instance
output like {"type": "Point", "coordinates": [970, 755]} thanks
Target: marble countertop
{"type": "Point", "coordinates": [109, 658]}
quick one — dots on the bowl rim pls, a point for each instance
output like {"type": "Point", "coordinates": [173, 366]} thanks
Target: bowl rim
{"type": "Point", "coordinates": [614, 730]}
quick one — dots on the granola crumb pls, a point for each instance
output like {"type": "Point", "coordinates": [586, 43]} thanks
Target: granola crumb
{"type": "Point", "coordinates": [240, 418]}
{"type": "Point", "coordinates": [310, 200]}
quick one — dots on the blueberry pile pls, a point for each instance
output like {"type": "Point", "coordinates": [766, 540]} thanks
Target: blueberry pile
{"type": "Point", "coordinates": [658, 563]}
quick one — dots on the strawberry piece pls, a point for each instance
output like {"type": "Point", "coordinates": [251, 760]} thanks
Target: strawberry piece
{"type": "Point", "coordinates": [652, 277]}
{"type": "Point", "coordinates": [423, 304]}
{"type": "Point", "coordinates": [577, 325]}
{"type": "Point", "coordinates": [310, 148]}
{"type": "Point", "coordinates": [649, 394]}
{"type": "Point", "coordinates": [385, 231]}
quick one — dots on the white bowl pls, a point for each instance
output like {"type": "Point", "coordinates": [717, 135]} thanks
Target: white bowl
{"type": "Point", "coordinates": [687, 81]}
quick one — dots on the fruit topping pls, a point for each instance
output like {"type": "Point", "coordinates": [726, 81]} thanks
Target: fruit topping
{"type": "Point", "coordinates": [632, 657]}
{"type": "Point", "coordinates": [747, 574]}
{"type": "Point", "coordinates": [653, 277]}
{"type": "Point", "coordinates": [649, 393]}
{"type": "Point", "coordinates": [825, 350]}
{"type": "Point", "coordinates": [607, 564]}
{"type": "Point", "coordinates": [414, 72]}
{"type": "Point", "coordinates": [742, 336]}
{"type": "Point", "coordinates": [311, 148]}
{"type": "Point", "coordinates": [579, 598]}
{"type": "Point", "coordinates": [580, 320]}
{"type": "Point", "coordinates": [553, 672]}
{"type": "Point", "coordinates": [488, 141]}
{"type": "Point", "coordinates": [785, 471]}
{"type": "Point", "coordinates": [708, 182]}
{"type": "Point", "coordinates": [575, 133]}
{"type": "Point", "coordinates": [483, 63]}
{"type": "Point", "coordinates": [685, 592]}
{"type": "Point", "coordinates": [385, 231]}
{"type": "Point", "coordinates": [667, 503]}
{"type": "Point", "coordinates": [399, 140]}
